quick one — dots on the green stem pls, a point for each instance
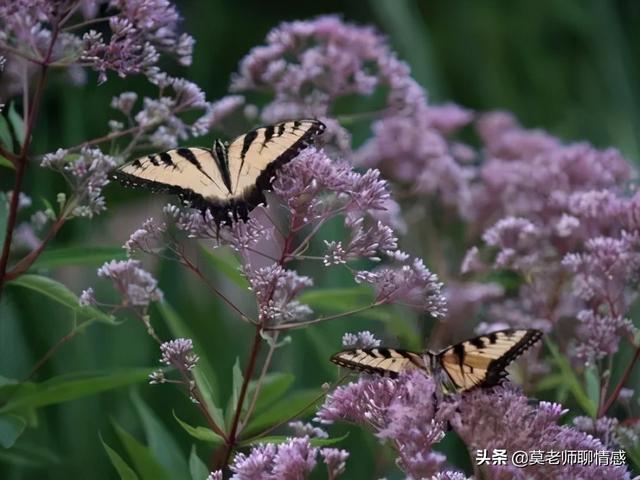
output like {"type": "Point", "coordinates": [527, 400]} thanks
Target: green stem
{"type": "Point", "coordinates": [253, 357]}
{"type": "Point", "coordinates": [294, 325]}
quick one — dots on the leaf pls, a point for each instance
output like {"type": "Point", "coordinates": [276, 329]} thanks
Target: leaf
{"type": "Point", "coordinates": [204, 434]}
{"type": "Point", "coordinates": [62, 295]}
{"type": "Point", "coordinates": [276, 439]}
{"type": "Point", "coordinates": [237, 380]}
{"type": "Point", "coordinates": [592, 383]}
{"type": "Point", "coordinates": [197, 467]}
{"type": "Point", "coordinates": [571, 381]}
{"type": "Point", "coordinates": [17, 123]}
{"type": "Point", "coordinates": [11, 427]}
{"type": "Point", "coordinates": [274, 386]}
{"type": "Point", "coordinates": [161, 443]}
{"type": "Point", "coordinates": [5, 134]}
{"type": "Point", "coordinates": [203, 373]}
{"type": "Point", "coordinates": [337, 298]}
{"type": "Point", "coordinates": [550, 382]}
{"type": "Point", "coordinates": [226, 264]}
{"type": "Point", "coordinates": [4, 162]}
{"type": "Point", "coordinates": [77, 256]}
{"type": "Point", "coordinates": [32, 456]}
{"type": "Point", "coordinates": [283, 411]}
{"type": "Point", "coordinates": [124, 470]}
{"type": "Point", "coordinates": [71, 387]}
{"type": "Point", "coordinates": [411, 34]}
{"type": "Point", "coordinates": [146, 465]}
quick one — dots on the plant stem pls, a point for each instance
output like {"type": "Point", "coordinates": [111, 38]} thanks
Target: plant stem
{"type": "Point", "coordinates": [86, 23]}
{"type": "Point", "coordinates": [294, 325]}
{"type": "Point", "coordinates": [21, 162]}
{"type": "Point", "coordinates": [202, 406]}
{"type": "Point", "coordinates": [299, 412]}
{"type": "Point", "coordinates": [25, 263]}
{"type": "Point", "coordinates": [263, 373]}
{"type": "Point", "coordinates": [253, 357]}
{"type": "Point", "coordinates": [50, 353]}
{"type": "Point", "coordinates": [12, 157]}
{"type": "Point", "coordinates": [187, 263]}
{"type": "Point", "coordinates": [616, 392]}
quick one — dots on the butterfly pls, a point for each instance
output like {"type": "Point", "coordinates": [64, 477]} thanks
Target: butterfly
{"type": "Point", "coordinates": [477, 362]}
{"type": "Point", "coordinates": [229, 180]}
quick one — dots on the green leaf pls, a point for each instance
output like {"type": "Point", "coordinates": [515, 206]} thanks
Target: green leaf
{"type": "Point", "coordinates": [337, 298]}
{"type": "Point", "coordinates": [71, 387]}
{"type": "Point", "coordinates": [571, 381]}
{"type": "Point", "coordinates": [204, 374]}
{"type": "Point", "coordinates": [550, 382]}
{"type": "Point", "coordinates": [276, 439]}
{"type": "Point", "coordinates": [62, 295]}
{"type": "Point", "coordinates": [197, 467]}
{"type": "Point", "coordinates": [410, 33]}
{"type": "Point", "coordinates": [16, 122]}
{"type": "Point", "coordinates": [161, 443]}
{"type": "Point", "coordinates": [204, 434]}
{"type": "Point", "coordinates": [592, 380]}
{"type": "Point", "coordinates": [274, 386]}
{"type": "Point", "coordinates": [5, 134]}
{"type": "Point", "coordinates": [283, 411]}
{"type": "Point", "coordinates": [345, 299]}
{"type": "Point", "coordinates": [77, 256]}
{"type": "Point", "coordinates": [32, 456]}
{"type": "Point", "coordinates": [633, 452]}
{"type": "Point", "coordinates": [226, 264]}
{"type": "Point", "coordinates": [11, 427]}
{"type": "Point", "coordinates": [145, 464]}
{"type": "Point", "coordinates": [237, 380]}
{"type": "Point", "coordinates": [4, 162]}
{"type": "Point", "coordinates": [124, 471]}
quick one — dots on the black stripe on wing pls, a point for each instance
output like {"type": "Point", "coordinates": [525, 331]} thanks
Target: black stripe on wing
{"type": "Point", "coordinates": [219, 210]}
{"type": "Point", "coordinates": [255, 195]}
{"type": "Point", "coordinates": [378, 360]}
{"type": "Point", "coordinates": [496, 370]}
{"type": "Point", "coordinates": [500, 364]}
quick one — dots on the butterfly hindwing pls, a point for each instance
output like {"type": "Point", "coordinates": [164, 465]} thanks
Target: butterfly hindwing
{"type": "Point", "coordinates": [382, 361]}
{"type": "Point", "coordinates": [223, 180]}
{"type": "Point", "coordinates": [481, 361]}
{"type": "Point", "coordinates": [191, 173]}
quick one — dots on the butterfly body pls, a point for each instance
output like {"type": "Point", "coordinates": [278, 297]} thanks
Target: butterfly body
{"type": "Point", "coordinates": [477, 362]}
{"type": "Point", "coordinates": [229, 180]}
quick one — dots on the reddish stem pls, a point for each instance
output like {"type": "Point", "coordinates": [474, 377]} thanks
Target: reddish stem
{"type": "Point", "coordinates": [25, 263]}
{"type": "Point", "coordinates": [616, 392]}
{"type": "Point", "coordinates": [21, 161]}
{"type": "Point", "coordinates": [11, 221]}
{"type": "Point", "coordinates": [45, 358]}
{"type": "Point", "coordinates": [255, 349]}
{"type": "Point", "coordinates": [12, 157]}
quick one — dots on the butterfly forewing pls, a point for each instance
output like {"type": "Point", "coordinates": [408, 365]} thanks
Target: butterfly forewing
{"type": "Point", "coordinates": [254, 156]}
{"type": "Point", "coordinates": [383, 361]}
{"type": "Point", "coordinates": [481, 361]}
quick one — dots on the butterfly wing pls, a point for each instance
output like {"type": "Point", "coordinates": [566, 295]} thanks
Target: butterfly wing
{"type": "Point", "coordinates": [254, 157]}
{"type": "Point", "coordinates": [223, 181]}
{"type": "Point", "coordinates": [382, 361]}
{"type": "Point", "coordinates": [481, 361]}
{"type": "Point", "coordinates": [192, 173]}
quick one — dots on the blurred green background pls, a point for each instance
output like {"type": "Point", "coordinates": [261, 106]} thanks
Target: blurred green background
{"type": "Point", "coordinates": [568, 66]}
